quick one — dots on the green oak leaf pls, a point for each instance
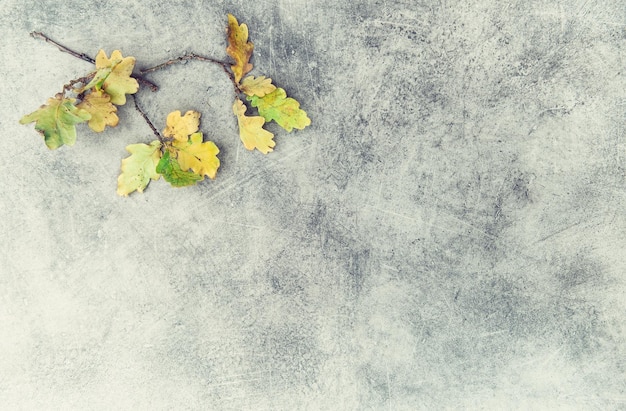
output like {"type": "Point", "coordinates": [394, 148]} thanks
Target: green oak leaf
{"type": "Point", "coordinates": [174, 174]}
{"type": "Point", "coordinates": [97, 81]}
{"type": "Point", "coordinates": [282, 109]}
{"type": "Point", "coordinates": [139, 167]}
{"type": "Point", "coordinates": [57, 121]}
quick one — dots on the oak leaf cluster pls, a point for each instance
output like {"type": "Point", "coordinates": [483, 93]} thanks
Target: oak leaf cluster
{"type": "Point", "coordinates": [180, 154]}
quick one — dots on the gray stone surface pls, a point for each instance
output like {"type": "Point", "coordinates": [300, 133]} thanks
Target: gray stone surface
{"type": "Point", "coordinates": [448, 234]}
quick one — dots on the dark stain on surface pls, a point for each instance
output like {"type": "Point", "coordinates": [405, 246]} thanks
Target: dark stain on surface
{"type": "Point", "coordinates": [358, 268]}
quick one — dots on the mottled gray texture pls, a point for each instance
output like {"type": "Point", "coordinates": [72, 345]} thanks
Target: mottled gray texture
{"type": "Point", "coordinates": [448, 233]}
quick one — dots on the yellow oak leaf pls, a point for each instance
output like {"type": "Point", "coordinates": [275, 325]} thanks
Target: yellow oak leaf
{"type": "Point", "coordinates": [239, 48]}
{"type": "Point", "coordinates": [282, 109]}
{"type": "Point", "coordinates": [259, 86]}
{"type": "Point", "coordinates": [139, 167]}
{"type": "Point", "coordinates": [98, 104]}
{"type": "Point", "coordinates": [251, 130]}
{"type": "Point", "coordinates": [180, 127]}
{"type": "Point", "coordinates": [197, 156]}
{"type": "Point", "coordinates": [113, 76]}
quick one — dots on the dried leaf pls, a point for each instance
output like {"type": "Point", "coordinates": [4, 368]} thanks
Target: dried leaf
{"type": "Point", "coordinates": [57, 121]}
{"type": "Point", "coordinates": [282, 109]}
{"type": "Point", "coordinates": [180, 127]}
{"type": "Point", "coordinates": [198, 156]}
{"type": "Point", "coordinates": [98, 104]}
{"type": "Point", "coordinates": [113, 76]}
{"type": "Point", "coordinates": [259, 86]}
{"type": "Point", "coordinates": [139, 167]}
{"type": "Point", "coordinates": [251, 130]}
{"type": "Point", "coordinates": [239, 48]}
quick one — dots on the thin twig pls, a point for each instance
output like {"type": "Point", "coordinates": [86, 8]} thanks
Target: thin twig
{"type": "Point", "coordinates": [145, 82]}
{"type": "Point", "coordinates": [147, 120]}
{"type": "Point", "coordinates": [193, 56]}
{"type": "Point", "coordinates": [82, 56]}
{"type": "Point", "coordinates": [82, 80]}
{"type": "Point", "coordinates": [190, 56]}
{"type": "Point", "coordinates": [85, 57]}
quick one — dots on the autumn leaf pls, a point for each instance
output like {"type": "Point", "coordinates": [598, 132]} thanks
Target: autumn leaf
{"type": "Point", "coordinates": [139, 167]}
{"type": "Point", "coordinates": [113, 76]}
{"type": "Point", "coordinates": [57, 121]}
{"type": "Point", "coordinates": [98, 104]}
{"type": "Point", "coordinates": [172, 172]}
{"type": "Point", "coordinates": [239, 48]}
{"type": "Point", "coordinates": [282, 109]}
{"type": "Point", "coordinates": [259, 86]}
{"type": "Point", "coordinates": [198, 156]}
{"type": "Point", "coordinates": [180, 127]}
{"type": "Point", "coordinates": [251, 130]}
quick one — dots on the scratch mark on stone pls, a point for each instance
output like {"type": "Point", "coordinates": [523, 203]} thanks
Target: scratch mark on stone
{"type": "Point", "coordinates": [393, 213]}
{"type": "Point", "coordinates": [558, 232]}
{"type": "Point", "coordinates": [491, 334]}
{"type": "Point", "coordinates": [390, 268]}
{"type": "Point", "coordinates": [271, 49]}
{"type": "Point", "coordinates": [466, 224]}
{"type": "Point", "coordinates": [241, 224]}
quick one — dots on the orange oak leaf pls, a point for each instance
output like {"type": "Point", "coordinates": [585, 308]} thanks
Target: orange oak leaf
{"type": "Point", "coordinates": [239, 48]}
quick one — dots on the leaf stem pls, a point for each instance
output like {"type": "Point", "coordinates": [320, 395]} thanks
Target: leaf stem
{"type": "Point", "coordinates": [147, 120]}
{"type": "Point", "coordinates": [85, 57]}
{"type": "Point", "coordinates": [193, 56]}
{"type": "Point", "coordinates": [82, 80]}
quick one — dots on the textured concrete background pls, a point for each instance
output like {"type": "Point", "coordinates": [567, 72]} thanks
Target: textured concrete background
{"type": "Point", "coordinates": [449, 232]}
